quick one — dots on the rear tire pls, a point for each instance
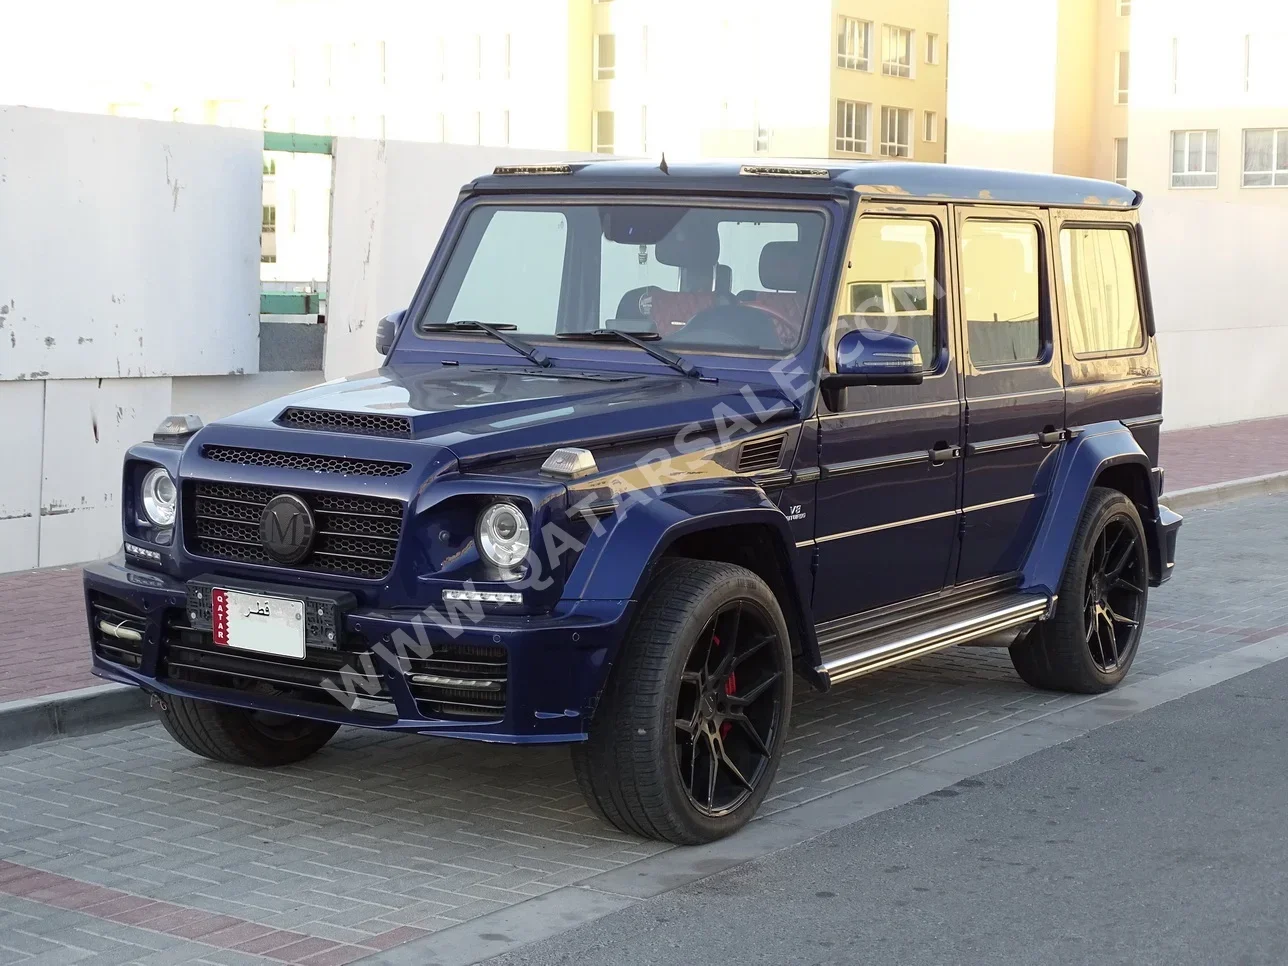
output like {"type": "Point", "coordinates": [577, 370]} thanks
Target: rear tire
{"type": "Point", "coordinates": [241, 737]}
{"type": "Point", "coordinates": [690, 729]}
{"type": "Point", "coordinates": [1089, 644]}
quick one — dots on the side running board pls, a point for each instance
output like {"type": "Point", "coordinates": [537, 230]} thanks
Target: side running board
{"type": "Point", "coordinates": [851, 656]}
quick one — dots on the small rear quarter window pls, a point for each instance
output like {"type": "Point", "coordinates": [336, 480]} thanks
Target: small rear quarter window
{"type": "Point", "coordinates": [1100, 290]}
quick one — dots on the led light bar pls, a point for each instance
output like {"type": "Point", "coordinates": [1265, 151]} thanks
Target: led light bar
{"type": "Point", "coordinates": [473, 684]}
{"type": "Point", "coordinates": [485, 596]}
{"type": "Point", "coordinates": [532, 169]}
{"type": "Point", "coordinates": [780, 171]}
{"type": "Point", "coordinates": [135, 550]}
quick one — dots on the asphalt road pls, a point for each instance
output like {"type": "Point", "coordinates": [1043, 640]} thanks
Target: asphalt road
{"type": "Point", "coordinates": [1160, 839]}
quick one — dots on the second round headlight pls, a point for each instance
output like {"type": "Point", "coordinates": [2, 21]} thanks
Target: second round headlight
{"type": "Point", "coordinates": [503, 535]}
{"type": "Point", "coordinates": [159, 497]}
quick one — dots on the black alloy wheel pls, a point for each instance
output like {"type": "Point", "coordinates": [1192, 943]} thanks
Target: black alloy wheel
{"type": "Point", "coordinates": [730, 708]}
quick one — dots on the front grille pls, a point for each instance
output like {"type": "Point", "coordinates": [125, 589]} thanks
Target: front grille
{"type": "Point", "coordinates": [342, 465]}
{"type": "Point", "coordinates": [471, 682]}
{"type": "Point", "coordinates": [361, 424]}
{"type": "Point", "coordinates": [348, 679]}
{"type": "Point", "coordinates": [355, 535]}
{"type": "Point", "coordinates": [113, 617]}
{"type": "Point", "coordinates": [760, 454]}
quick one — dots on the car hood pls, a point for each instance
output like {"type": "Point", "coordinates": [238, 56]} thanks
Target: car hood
{"type": "Point", "coordinates": [484, 412]}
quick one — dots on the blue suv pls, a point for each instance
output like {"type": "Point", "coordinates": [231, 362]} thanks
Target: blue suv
{"type": "Point", "coordinates": [651, 446]}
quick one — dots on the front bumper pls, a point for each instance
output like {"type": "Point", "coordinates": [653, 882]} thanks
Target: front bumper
{"type": "Point", "coordinates": [553, 665]}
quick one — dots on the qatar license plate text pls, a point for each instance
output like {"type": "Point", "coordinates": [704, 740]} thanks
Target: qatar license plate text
{"type": "Point", "coordinates": [254, 622]}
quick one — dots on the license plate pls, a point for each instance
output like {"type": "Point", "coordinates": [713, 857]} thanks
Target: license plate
{"type": "Point", "coordinates": [257, 622]}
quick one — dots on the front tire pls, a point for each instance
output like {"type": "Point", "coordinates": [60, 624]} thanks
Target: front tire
{"type": "Point", "coordinates": [690, 730]}
{"type": "Point", "coordinates": [1092, 639]}
{"type": "Point", "coordinates": [241, 737]}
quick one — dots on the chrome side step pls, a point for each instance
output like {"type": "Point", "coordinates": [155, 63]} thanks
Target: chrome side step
{"type": "Point", "coordinates": [850, 656]}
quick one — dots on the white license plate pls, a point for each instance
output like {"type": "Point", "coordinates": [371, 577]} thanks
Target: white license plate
{"type": "Point", "coordinates": [256, 622]}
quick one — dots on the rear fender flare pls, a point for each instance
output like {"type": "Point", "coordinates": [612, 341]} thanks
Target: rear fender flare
{"type": "Point", "coordinates": [1086, 456]}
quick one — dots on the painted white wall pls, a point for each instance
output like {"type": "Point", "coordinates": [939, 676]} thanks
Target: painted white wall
{"type": "Point", "coordinates": [214, 397]}
{"type": "Point", "coordinates": [21, 439]}
{"type": "Point", "coordinates": [129, 248]}
{"type": "Point", "coordinates": [1002, 89]}
{"type": "Point", "coordinates": [1222, 332]}
{"type": "Point", "coordinates": [390, 202]}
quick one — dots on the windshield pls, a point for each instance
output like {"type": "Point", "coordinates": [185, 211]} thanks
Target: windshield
{"type": "Point", "coordinates": [696, 278]}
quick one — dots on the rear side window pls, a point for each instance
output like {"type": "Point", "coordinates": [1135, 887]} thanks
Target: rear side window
{"type": "Point", "coordinates": [1100, 290]}
{"type": "Point", "coordinates": [1001, 276]}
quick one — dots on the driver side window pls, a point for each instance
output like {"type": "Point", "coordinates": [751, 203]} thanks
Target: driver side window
{"type": "Point", "coordinates": [890, 282]}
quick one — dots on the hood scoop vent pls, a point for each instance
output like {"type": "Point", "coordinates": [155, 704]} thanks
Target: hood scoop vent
{"type": "Point", "coordinates": [761, 454]}
{"type": "Point", "coordinates": [358, 424]}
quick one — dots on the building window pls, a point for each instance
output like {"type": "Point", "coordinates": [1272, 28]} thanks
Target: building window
{"type": "Point", "coordinates": [1120, 160]}
{"type": "Point", "coordinates": [852, 122]}
{"type": "Point", "coordinates": [896, 132]}
{"type": "Point", "coordinates": [932, 48]}
{"type": "Point", "coordinates": [603, 132]}
{"type": "Point", "coordinates": [268, 234]}
{"type": "Point", "coordinates": [605, 57]}
{"type": "Point", "coordinates": [1265, 158]}
{"type": "Point", "coordinates": [896, 52]}
{"type": "Point", "coordinates": [1194, 158]}
{"type": "Point", "coordinates": [1100, 290]}
{"type": "Point", "coordinates": [1124, 8]}
{"type": "Point", "coordinates": [1121, 77]}
{"type": "Point", "coordinates": [854, 44]}
{"type": "Point", "coordinates": [929, 126]}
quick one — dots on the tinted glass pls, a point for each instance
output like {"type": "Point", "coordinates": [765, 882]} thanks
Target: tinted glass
{"type": "Point", "coordinates": [717, 278]}
{"type": "Point", "coordinates": [1000, 284]}
{"type": "Point", "coordinates": [1100, 290]}
{"type": "Point", "coordinates": [890, 282]}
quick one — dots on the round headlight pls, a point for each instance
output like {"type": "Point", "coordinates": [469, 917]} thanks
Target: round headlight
{"type": "Point", "coordinates": [159, 498]}
{"type": "Point", "coordinates": [503, 535]}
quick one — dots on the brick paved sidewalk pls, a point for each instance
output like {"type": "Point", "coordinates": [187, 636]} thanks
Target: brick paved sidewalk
{"type": "Point", "coordinates": [43, 647]}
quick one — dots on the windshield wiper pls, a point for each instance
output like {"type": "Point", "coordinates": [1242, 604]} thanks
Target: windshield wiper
{"type": "Point", "coordinates": [494, 329]}
{"type": "Point", "coordinates": [636, 339]}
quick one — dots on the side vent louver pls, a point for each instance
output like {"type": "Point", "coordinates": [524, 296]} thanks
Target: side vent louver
{"type": "Point", "coordinates": [760, 454]}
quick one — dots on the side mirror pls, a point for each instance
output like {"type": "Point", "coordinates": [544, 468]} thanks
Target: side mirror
{"type": "Point", "coordinates": [869, 357]}
{"type": "Point", "coordinates": [387, 331]}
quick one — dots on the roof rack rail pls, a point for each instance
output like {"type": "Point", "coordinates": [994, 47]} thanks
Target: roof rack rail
{"type": "Point", "coordinates": [779, 171]}
{"type": "Point", "coordinates": [532, 169]}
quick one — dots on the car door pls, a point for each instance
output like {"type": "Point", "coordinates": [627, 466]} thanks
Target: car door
{"type": "Point", "coordinates": [1012, 374]}
{"type": "Point", "coordinates": [886, 526]}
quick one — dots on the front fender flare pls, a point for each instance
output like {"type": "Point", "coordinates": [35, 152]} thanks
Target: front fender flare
{"type": "Point", "coordinates": [618, 563]}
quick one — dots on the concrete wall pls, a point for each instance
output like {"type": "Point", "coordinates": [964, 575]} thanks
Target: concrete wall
{"type": "Point", "coordinates": [1222, 329]}
{"type": "Point", "coordinates": [389, 204]}
{"type": "Point", "coordinates": [129, 289]}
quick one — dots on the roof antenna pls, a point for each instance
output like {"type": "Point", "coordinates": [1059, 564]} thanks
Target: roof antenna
{"type": "Point", "coordinates": [662, 167]}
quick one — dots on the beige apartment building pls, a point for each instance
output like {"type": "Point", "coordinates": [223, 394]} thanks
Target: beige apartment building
{"type": "Point", "coordinates": [1167, 96]}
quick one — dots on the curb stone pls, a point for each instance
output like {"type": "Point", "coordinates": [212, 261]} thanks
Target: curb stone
{"type": "Point", "coordinates": [87, 710]}
{"type": "Point", "coordinates": [80, 712]}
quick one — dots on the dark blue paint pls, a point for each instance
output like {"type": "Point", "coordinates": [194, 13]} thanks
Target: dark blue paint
{"type": "Point", "coordinates": [859, 515]}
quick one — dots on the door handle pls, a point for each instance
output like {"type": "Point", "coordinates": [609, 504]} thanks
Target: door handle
{"type": "Point", "coordinates": [943, 452]}
{"type": "Point", "coordinates": [1050, 436]}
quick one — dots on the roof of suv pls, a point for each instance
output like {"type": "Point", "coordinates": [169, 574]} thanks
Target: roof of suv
{"type": "Point", "coordinates": [905, 180]}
